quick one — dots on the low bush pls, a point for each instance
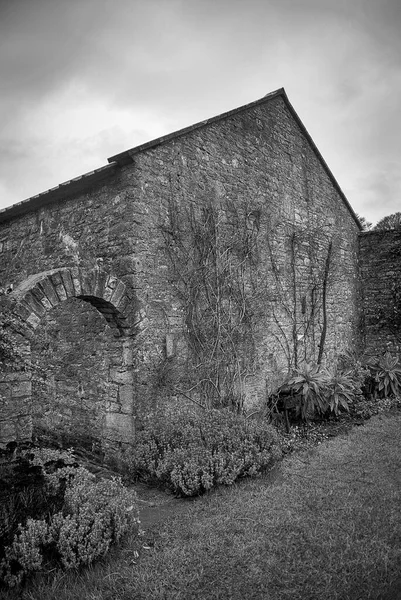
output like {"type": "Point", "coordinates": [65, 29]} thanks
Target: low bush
{"type": "Point", "coordinates": [93, 515]}
{"type": "Point", "coordinates": [308, 385]}
{"type": "Point", "coordinates": [341, 391]}
{"type": "Point", "coordinates": [318, 393]}
{"type": "Point", "coordinates": [384, 376]}
{"type": "Point", "coordinates": [190, 452]}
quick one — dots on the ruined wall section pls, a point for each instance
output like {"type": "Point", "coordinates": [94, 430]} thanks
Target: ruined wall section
{"type": "Point", "coordinates": [380, 268]}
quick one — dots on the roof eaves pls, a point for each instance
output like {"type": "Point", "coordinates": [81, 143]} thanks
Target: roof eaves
{"type": "Point", "coordinates": [78, 184]}
{"type": "Point", "coordinates": [126, 157]}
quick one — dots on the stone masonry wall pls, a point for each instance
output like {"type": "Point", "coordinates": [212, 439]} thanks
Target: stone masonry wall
{"type": "Point", "coordinates": [380, 264]}
{"type": "Point", "coordinates": [73, 350]}
{"type": "Point", "coordinates": [257, 174]}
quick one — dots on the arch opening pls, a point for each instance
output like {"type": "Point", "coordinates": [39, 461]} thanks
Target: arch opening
{"type": "Point", "coordinates": [73, 352]}
{"type": "Point", "coordinates": [114, 318]}
{"type": "Point", "coordinates": [91, 391]}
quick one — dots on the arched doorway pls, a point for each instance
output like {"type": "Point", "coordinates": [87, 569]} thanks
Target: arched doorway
{"type": "Point", "coordinates": [33, 301]}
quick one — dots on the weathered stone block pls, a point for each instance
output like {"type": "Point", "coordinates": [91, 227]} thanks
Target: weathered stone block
{"type": "Point", "coordinates": [50, 292]}
{"type": "Point", "coordinates": [68, 283]}
{"type": "Point", "coordinates": [119, 427]}
{"type": "Point", "coordinates": [21, 388]}
{"type": "Point", "coordinates": [8, 432]}
{"type": "Point", "coordinates": [125, 397]}
{"type": "Point", "coordinates": [122, 376]}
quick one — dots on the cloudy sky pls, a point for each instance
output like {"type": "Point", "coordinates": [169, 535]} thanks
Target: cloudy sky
{"type": "Point", "coordinates": [81, 80]}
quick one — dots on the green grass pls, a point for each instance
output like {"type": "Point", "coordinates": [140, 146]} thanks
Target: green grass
{"type": "Point", "coordinates": [327, 526]}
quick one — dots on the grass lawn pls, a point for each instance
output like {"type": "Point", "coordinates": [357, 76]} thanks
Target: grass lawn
{"type": "Point", "coordinates": [326, 525]}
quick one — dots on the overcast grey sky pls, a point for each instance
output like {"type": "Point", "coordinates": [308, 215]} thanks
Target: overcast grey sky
{"type": "Point", "coordinates": [81, 80]}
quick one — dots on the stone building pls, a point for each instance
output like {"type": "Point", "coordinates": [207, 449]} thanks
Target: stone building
{"type": "Point", "coordinates": [200, 265]}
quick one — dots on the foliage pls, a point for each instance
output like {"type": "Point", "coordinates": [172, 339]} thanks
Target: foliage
{"type": "Point", "coordinates": [342, 389]}
{"type": "Point", "coordinates": [25, 495]}
{"type": "Point", "coordinates": [389, 222]}
{"type": "Point", "coordinates": [309, 384]}
{"type": "Point", "coordinates": [25, 554]}
{"type": "Point", "coordinates": [298, 298]}
{"type": "Point", "coordinates": [93, 515]}
{"type": "Point", "coordinates": [319, 392]}
{"type": "Point", "coordinates": [328, 526]}
{"type": "Point", "coordinates": [190, 452]}
{"type": "Point", "coordinates": [385, 376]}
{"type": "Point", "coordinates": [211, 252]}
{"type": "Point", "coordinates": [366, 225]}
{"type": "Point", "coordinates": [353, 365]}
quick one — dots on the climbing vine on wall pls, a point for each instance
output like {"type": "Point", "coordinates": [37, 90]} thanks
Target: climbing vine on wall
{"type": "Point", "coordinates": [241, 278]}
{"type": "Point", "coordinates": [212, 252]}
{"type": "Point", "coordinates": [298, 305]}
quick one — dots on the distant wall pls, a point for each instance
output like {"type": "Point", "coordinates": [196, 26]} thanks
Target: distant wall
{"type": "Point", "coordinates": [380, 265]}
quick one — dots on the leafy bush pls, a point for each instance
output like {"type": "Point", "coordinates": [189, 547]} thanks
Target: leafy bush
{"type": "Point", "coordinates": [94, 514]}
{"type": "Point", "coordinates": [27, 491]}
{"type": "Point", "coordinates": [352, 365]}
{"type": "Point", "coordinates": [190, 452]}
{"type": "Point", "coordinates": [25, 553]}
{"type": "Point", "coordinates": [319, 393]}
{"type": "Point", "coordinates": [385, 376]}
{"type": "Point", "coordinates": [341, 390]}
{"type": "Point", "coordinates": [309, 386]}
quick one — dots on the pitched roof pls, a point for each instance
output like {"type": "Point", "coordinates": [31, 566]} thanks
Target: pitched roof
{"type": "Point", "coordinates": [83, 182]}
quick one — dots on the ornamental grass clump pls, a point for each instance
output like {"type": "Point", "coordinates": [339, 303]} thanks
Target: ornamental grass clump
{"type": "Point", "coordinates": [92, 516]}
{"type": "Point", "coordinates": [191, 452]}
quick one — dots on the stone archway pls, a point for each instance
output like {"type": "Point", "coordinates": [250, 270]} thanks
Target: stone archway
{"type": "Point", "coordinates": [35, 297]}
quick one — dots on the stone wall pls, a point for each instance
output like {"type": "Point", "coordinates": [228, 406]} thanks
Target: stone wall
{"type": "Point", "coordinates": [73, 351]}
{"type": "Point", "coordinates": [248, 200]}
{"type": "Point", "coordinates": [265, 183]}
{"type": "Point", "coordinates": [380, 264]}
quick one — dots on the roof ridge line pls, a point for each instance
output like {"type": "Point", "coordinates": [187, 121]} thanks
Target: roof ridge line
{"type": "Point", "coordinates": [125, 157]}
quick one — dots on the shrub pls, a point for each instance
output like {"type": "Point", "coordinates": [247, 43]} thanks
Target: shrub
{"type": "Point", "coordinates": [341, 390]}
{"type": "Point", "coordinates": [319, 393]}
{"type": "Point", "coordinates": [352, 365]}
{"type": "Point", "coordinates": [93, 515]}
{"type": "Point", "coordinates": [25, 553]}
{"type": "Point", "coordinates": [309, 385]}
{"type": "Point", "coordinates": [190, 452]}
{"type": "Point", "coordinates": [29, 492]}
{"type": "Point", "coordinates": [385, 376]}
